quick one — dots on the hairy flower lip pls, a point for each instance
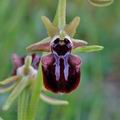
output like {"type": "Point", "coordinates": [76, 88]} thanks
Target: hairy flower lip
{"type": "Point", "coordinates": [62, 85]}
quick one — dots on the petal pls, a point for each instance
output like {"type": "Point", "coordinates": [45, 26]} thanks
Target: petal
{"type": "Point", "coordinates": [43, 45]}
{"type": "Point", "coordinates": [78, 43]}
{"type": "Point", "coordinates": [17, 62]}
{"type": "Point", "coordinates": [35, 61]}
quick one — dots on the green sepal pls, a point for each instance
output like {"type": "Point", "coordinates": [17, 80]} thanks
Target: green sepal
{"type": "Point", "coordinates": [90, 48]}
{"type": "Point", "coordinates": [70, 29]}
{"type": "Point", "coordinates": [100, 3]}
{"type": "Point", "coordinates": [53, 101]}
{"type": "Point", "coordinates": [43, 46]}
{"type": "Point", "coordinates": [51, 28]}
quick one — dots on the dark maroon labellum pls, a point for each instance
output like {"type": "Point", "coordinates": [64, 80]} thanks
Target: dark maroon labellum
{"type": "Point", "coordinates": [61, 69]}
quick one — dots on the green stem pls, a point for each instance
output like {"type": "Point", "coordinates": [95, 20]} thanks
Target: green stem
{"type": "Point", "coordinates": [35, 96]}
{"type": "Point", "coordinates": [23, 102]}
{"type": "Point", "coordinates": [61, 14]}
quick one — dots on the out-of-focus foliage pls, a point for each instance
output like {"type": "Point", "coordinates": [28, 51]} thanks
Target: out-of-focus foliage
{"type": "Point", "coordinates": [100, 3]}
{"type": "Point", "coordinates": [97, 97]}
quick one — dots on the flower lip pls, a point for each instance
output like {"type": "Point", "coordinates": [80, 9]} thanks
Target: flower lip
{"type": "Point", "coordinates": [61, 75]}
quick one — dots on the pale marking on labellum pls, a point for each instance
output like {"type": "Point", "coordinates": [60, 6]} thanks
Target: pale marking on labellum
{"type": "Point", "coordinates": [57, 65]}
{"type": "Point", "coordinates": [66, 67]}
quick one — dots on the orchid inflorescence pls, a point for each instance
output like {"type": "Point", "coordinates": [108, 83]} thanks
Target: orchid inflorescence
{"type": "Point", "coordinates": [58, 66]}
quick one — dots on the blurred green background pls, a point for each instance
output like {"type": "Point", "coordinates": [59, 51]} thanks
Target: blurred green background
{"type": "Point", "coordinates": [98, 96]}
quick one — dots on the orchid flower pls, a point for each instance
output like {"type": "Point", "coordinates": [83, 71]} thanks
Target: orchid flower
{"type": "Point", "coordinates": [60, 67]}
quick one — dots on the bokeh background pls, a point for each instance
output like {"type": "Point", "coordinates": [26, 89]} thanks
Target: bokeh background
{"type": "Point", "coordinates": [98, 96]}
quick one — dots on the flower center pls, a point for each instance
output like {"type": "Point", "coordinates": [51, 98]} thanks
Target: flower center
{"type": "Point", "coordinates": [61, 47]}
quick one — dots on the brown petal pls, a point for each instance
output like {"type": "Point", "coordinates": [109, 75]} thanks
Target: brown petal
{"type": "Point", "coordinates": [43, 45]}
{"type": "Point", "coordinates": [78, 43]}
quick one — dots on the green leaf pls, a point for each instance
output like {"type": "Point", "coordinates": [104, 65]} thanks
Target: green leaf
{"type": "Point", "coordinates": [91, 48]}
{"type": "Point", "coordinates": [100, 3]}
{"type": "Point", "coordinates": [35, 95]}
{"type": "Point", "coordinates": [16, 92]}
{"type": "Point", "coordinates": [53, 101]}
